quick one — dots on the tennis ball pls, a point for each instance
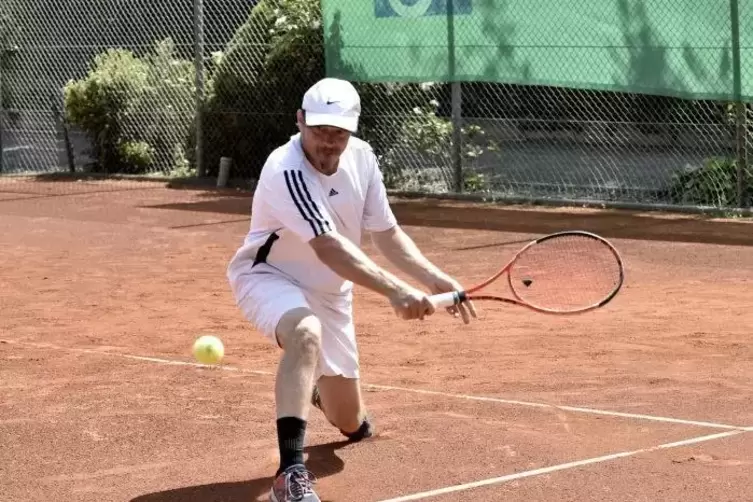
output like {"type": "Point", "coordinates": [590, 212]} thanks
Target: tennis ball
{"type": "Point", "coordinates": [208, 349]}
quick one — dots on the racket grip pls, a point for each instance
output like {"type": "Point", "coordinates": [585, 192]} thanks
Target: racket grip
{"type": "Point", "coordinates": [444, 300]}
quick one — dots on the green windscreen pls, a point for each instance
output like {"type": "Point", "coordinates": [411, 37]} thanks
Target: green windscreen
{"type": "Point", "coordinates": [669, 47]}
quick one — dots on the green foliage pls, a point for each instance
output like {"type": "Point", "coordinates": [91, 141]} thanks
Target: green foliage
{"type": "Point", "coordinates": [261, 78]}
{"type": "Point", "coordinates": [430, 136]}
{"type": "Point", "coordinates": [712, 184]}
{"type": "Point", "coordinates": [137, 110]}
{"type": "Point", "coordinates": [246, 116]}
{"type": "Point", "coordinates": [99, 102]}
{"type": "Point", "coordinates": [137, 154]}
{"type": "Point", "coordinates": [163, 114]}
{"type": "Point", "coordinates": [474, 182]}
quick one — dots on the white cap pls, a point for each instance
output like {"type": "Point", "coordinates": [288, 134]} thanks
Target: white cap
{"type": "Point", "coordinates": [332, 102]}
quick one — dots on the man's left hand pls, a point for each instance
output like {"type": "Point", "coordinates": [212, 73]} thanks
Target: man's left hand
{"type": "Point", "coordinates": [442, 283]}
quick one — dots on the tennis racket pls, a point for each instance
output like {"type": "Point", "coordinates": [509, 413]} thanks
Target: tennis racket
{"type": "Point", "coordinates": [562, 273]}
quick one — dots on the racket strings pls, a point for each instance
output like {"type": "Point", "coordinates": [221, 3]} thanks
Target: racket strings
{"type": "Point", "coordinates": [566, 273]}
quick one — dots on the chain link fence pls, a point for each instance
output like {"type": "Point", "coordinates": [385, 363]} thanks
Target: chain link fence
{"type": "Point", "coordinates": [170, 89]}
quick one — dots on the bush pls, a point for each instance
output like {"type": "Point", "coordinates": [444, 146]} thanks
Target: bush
{"type": "Point", "coordinates": [260, 80]}
{"type": "Point", "coordinates": [712, 184]}
{"type": "Point", "coordinates": [98, 103]}
{"type": "Point", "coordinates": [426, 138]}
{"type": "Point", "coordinates": [255, 91]}
{"type": "Point", "coordinates": [139, 155]}
{"type": "Point", "coordinates": [138, 112]}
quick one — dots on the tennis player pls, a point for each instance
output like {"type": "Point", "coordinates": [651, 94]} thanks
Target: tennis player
{"type": "Point", "coordinates": [294, 274]}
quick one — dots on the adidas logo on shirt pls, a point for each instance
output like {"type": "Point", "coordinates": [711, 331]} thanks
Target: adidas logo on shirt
{"type": "Point", "coordinates": [332, 192]}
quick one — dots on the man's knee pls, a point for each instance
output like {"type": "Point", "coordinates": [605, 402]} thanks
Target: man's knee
{"type": "Point", "coordinates": [300, 331]}
{"type": "Point", "coordinates": [347, 418]}
{"type": "Point", "coordinates": [352, 421]}
{"type": "Point", "coordinates": [340, 399]}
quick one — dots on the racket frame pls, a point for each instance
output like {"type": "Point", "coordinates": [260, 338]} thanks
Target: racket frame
{"type": "Point", "coordinates": [453, 298]}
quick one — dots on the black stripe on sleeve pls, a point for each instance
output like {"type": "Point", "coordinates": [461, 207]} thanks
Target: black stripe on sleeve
{"type": "Point", "coordinates": [301, 202]}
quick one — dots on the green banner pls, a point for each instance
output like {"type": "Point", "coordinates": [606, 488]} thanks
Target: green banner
{"type": "Point", "coordinates": [682, 48]}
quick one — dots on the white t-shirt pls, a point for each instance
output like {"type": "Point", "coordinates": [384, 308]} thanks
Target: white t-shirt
{"type": "Point", "coordinates": [293, 203]}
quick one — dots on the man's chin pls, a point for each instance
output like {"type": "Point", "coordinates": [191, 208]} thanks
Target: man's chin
{"type": "Point", "coordinates": [329, 166]}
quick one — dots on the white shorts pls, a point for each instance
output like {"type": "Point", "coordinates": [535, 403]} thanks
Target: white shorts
{"type": "Point", "coordinates": [264, 295]}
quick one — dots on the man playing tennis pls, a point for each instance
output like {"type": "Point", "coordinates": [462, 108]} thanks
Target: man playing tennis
{"type": "Point", "coordinates": [294, 274]}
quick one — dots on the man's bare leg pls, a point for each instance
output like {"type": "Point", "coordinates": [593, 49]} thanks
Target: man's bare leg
{"type": "Point", "coordinates": [341, 401]}
{"type": "Point", "coordinates": [299, 335]}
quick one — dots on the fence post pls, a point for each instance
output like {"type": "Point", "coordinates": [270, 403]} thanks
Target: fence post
{"type": "Point", "coordinates": [456, 100]}
{"type": "Point", "coordinates": [741, 121]}
{"type": "Point", "coordinates": [198, 30]}
{"type": "Point", "coordinates": [457, 135]}
{"type": "Point", "coordinates": [741, 118]}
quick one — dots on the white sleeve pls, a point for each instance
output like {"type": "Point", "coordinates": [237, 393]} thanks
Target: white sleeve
{"type": "Point", "coordinates": [378, 215]}
{"type": "Point", "coordinates": [297, 207]}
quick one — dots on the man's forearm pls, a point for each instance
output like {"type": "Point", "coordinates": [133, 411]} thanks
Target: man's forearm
{"type": "Point", "coordinates": [402, 252]}
{"type": "Point", "coordinates": [350, 263]}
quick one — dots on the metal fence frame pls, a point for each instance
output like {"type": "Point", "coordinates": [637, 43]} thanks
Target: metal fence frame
{"type": "Point", "coordinates": [458, 166]}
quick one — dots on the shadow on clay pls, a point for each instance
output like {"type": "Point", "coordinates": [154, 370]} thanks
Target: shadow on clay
{"type": "Point", "coordinates": [322, 461]}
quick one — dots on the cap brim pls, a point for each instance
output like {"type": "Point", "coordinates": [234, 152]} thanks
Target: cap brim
{"type": "Point", "coordinates": [319, 119]}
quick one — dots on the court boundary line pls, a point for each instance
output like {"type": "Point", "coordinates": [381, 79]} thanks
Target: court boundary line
{"type": "Point", "coordinates": [467, 397]}
{"type": "Point", "coordinates": [575, 409]}
{"type": "Point", "coordinates": [561, 467]}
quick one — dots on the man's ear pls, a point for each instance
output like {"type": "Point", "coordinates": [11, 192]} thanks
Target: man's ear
{"type": "Point", "coordinates": [300, 119]}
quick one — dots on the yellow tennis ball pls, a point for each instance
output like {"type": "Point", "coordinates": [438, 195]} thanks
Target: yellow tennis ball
{"type": "Point", "coordinates": [208, 349]}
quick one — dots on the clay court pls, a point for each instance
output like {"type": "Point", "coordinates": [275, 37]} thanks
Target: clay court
{"type": "Point", "coordinates": [106, 286]}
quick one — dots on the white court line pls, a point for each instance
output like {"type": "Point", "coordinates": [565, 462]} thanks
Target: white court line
{"type": "Point", "coordinates": [576, 409]}
{"type": "Point", "coordinates": [560, 467]}
{"type": "Point", "coordinates": [512, 402]}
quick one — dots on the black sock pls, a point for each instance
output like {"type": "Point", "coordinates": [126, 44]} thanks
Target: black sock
{"type": "Point", "coordinates": [290, 437]}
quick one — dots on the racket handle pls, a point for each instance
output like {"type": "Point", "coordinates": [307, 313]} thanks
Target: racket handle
{"type": "Point", "coordinates": [444, 300]}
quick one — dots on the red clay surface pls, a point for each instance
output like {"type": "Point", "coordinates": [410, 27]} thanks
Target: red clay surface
{"type": "Point", "coordinates": [137, 269]}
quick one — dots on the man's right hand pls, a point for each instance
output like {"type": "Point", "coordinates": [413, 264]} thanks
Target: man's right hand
{"type": "Point", "coordinates": [349, 262]}
{"type": "Point", "coordinates": [410, 303]}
